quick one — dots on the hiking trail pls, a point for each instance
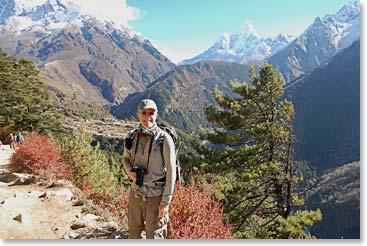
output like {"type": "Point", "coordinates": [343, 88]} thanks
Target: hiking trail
{"type": "Point", "coordinates": [35, 208]}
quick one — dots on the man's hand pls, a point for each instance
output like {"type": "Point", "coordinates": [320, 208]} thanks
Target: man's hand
{"type": "Point", "coordinates": [163, 210]}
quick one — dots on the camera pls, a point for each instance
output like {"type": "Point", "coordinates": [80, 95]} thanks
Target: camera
{"type": "Point", "coordinates": [140, 172]}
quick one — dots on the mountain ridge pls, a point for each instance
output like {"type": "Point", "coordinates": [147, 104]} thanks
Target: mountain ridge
{"type": "Point", "coordinates": [327, 103]}
{"type": "Point", "coordinates": [291, 56]}
{"type": "Point", "coordinates": [86, 61]}
{"type": "Point", "coordinates": [181, 93]}
{"type": "Point", "coordinates": [318, 43]}
{"type": "Point", "coordinates": [245, 46]}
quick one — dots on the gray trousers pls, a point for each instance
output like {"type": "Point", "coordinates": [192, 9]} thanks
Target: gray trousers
{"type": "Point", "coordinates": [143, 216]}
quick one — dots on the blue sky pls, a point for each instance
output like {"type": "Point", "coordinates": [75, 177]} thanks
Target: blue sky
{"type": "Point", "coordinates": [182, 29]}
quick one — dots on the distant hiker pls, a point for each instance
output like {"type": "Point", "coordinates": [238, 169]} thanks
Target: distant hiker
{"type": "Point", "coordinates": [19, 138]}
{"type": "Point", "coordinates": [12, 141]}
{"type": "Point", "coordinates": [153, 172]}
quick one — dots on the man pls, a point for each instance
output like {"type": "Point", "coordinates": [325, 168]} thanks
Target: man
{"type": "Point", "coordinates": [153, 172]}
{"type": "Point", "coordinates": [12, 141]}
{"type": "Point", "coordinates": [19, 138]}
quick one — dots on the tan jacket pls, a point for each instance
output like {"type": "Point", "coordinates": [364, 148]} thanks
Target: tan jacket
{"type": "Point", "coordinates": [157, 168]}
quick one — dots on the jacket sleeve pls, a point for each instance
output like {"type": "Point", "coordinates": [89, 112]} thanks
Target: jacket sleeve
{"type": "Point", "coordinates": [169, 157]}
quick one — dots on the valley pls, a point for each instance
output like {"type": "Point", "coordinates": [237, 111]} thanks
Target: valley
{"type": "Point", "coordinates": [96, 71]}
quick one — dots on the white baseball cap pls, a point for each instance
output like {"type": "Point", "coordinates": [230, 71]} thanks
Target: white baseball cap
{"type": "Point", "coordinates": [147, 104]}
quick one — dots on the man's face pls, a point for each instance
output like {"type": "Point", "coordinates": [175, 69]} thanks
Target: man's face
{"type": "Point", "coordinates": [147, 117]}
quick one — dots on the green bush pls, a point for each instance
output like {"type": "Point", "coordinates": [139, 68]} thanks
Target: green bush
{"type": "Point", "coordinates": [90, 166]}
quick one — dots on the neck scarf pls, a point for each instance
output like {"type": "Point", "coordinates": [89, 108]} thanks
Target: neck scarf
{"type": "Point", "coordinates": [146, 132]}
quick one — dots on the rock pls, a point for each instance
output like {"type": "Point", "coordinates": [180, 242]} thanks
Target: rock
{"type": "Point", "coordinates": [78, 203]}
{"type": "Point", "coordinates": [95, 230]}
{"type": "Point", "coordinates": [23, 179]}
{"type": "Point", "coordinates": [119, 234]}
{"type": "Point", "coordinates": [89, 218]}
{"type": "Point", "coordinates": [51, 185]}
{"type": "Point", "coordinates": [63, 193]}
{"type": "Point", "coordinates": [56, 183]}
{"type": "Point", "coordinates": [70, 235]}
{"type": "Point", "coordinates": [66, 193]}
{"type": "Point", "coordinates": [44, 194]}
{"type": "Point", "coordinates": [77, 225]}
{"type": "Point", "coordinates": [7, 176]}
{"type": "Point", "coordinates": [42, 183]}
{"type": "Point", "coordinates": [18, 218]}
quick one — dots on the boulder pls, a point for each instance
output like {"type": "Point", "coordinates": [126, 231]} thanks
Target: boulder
{"type": "Point", "coordinates": [21, 179]}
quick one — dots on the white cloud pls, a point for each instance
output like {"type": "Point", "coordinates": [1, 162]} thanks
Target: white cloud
{"type": "Point", "coordinates": [114, 10]}
{"type": "Point", "coordinates": [175, 55]}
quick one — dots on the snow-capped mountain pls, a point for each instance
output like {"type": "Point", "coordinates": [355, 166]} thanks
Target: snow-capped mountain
{"type": "Point", "coordinates": [243, 47]}
{"type": "Point", "coordinates": [343, 28]}
{"type": "Point", "coordinates": [23, 15]}
{"type": "Point", "coordinates": [45, 15]}
{"type": "Point", "coordinates": [97, 60]}
{"type": "Point", "coordinates": [319, 42]}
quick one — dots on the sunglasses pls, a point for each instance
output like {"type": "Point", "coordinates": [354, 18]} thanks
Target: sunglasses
{"type": "Point", "coordinates": [150, 113]}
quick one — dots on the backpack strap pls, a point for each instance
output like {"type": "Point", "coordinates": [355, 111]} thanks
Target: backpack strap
{"type": "Point", "coordinates": [129, 141]}
{"type": "Point", "coordinates": [161, 142]}
{"type": "Point", "coordinates": [161, 181]}
{"type": "Point", "coordinates": [177, 169]}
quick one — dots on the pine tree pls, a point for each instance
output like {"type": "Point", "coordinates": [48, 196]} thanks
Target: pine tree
{"type": "Point", "coordinates": [251, 151]}
{"type": "Point", "coordinates": [90, 166]}
{"type": "Point", "coordinates": [23, 99]}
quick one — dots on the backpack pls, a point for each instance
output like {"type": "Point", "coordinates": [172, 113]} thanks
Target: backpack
{"type": "Point", "coordinates": [172, 132]}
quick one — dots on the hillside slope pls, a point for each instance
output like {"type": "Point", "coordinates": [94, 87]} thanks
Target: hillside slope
{"type": "Point", "coordinates": [84, 61]}
{"type": "Point", "coordinates": [327, 105]}
{"type": "Point", "coordinates": [182, 93]}
{"type": "Point", "coordinates": [34, 208]}
{"type": "Point", "coordinates": [337, 194]}
{"type": "Point", "coordinates": [322, 40]}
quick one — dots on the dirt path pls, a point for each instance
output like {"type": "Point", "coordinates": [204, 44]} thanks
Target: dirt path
{"type": "Point", "coordinates": [45, 209]}
{"type": "Point", "coordinates": [5, 154]}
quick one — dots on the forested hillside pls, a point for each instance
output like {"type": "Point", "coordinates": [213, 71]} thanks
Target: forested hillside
{"type": "Point", "coordinates": [337, 194]}
{"type": "Point", "coordinates": [327, 104]}
{"type": "Point", "coordinates": [182, 93]}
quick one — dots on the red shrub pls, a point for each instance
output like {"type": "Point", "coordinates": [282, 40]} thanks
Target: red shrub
{"type": "Point", "coordinates": [194, 214]}
{"type": "Point", "coordinates": [38, 155]}
{"type": "Point", "coordinates": [115, 203]}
